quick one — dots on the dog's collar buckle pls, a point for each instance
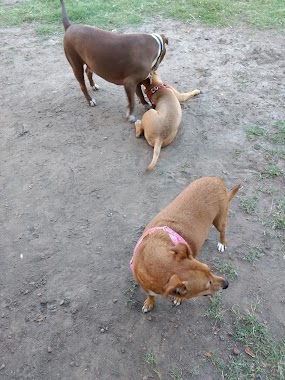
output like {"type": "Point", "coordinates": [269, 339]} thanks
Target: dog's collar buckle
{"type": "Point", "coordinates": [154, 89]}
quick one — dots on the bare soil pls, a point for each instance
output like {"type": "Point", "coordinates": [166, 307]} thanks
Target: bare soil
{"type": "Point", "coordinates": [75, 197]}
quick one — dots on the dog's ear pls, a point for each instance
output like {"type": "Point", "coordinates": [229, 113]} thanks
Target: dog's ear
{"type": "Point", "coordinates": [181, 252]}
{"type": "Point", "coordinates": [165, 39]}
{"type": "Point", "coordinates": [174, 284]}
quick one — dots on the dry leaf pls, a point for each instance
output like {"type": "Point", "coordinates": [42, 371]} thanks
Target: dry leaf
{"type": "Point", "coordinates": [208, 354]}
{"type": "Point", "coordinates": [248, 351]}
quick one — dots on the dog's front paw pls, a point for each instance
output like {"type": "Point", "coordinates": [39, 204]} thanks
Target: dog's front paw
{"type": "Point", "coordinates": [95, 87]}
{"type": "Point", "coordinates": [92, 102]}
{"type": "Point", "coordinates": [148, 304]}
{"type": "Point", "coordinates": [221, 247]}
{"type": "Point", "coordinates": [177, 301]}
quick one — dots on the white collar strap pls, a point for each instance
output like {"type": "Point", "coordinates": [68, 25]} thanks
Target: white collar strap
{"type": "Point", "coordinates": [159, 40]}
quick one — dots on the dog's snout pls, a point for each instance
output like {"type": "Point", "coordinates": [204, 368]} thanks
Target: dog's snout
{"type": "Point", "coordinates": [226, 284]}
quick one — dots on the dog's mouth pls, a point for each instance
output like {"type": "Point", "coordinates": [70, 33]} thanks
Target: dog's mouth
{"type": "Point", "coordinates": [208, 295]}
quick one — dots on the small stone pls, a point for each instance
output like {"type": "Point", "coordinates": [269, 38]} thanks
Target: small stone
{"type": "Point", "coordinates": [115, 300]}
{"type": "Point", "coordinates": [49, 349]}
{"type": "Point", "coordinates": [2, 366]}
{"type": "Point", "coordinates": [236, 351]}
{"type": "Point", "coordinates": [72, 363]}
{"type": "Point", "coordinates": [222, 338]}
{"type": "Point", "coordinates": [61, 302]}
{"type": "Point", "coordinates": [102, 330]}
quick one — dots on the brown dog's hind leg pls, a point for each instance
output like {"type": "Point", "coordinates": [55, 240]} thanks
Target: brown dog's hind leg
{"type": "Point", "coordinates": [220, 223]}
{"type": "Point", "coordinates": [78, 71]}
{"type": "Point", "coordinates": [89, 74]}
{"type": "Point", "coordinates": [182, 97]}
{"type": "Point", "coordinates": [148, 304]}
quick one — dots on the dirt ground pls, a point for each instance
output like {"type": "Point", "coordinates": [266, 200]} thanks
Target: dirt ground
{"type": "Point", "coordinates": [75, 197]}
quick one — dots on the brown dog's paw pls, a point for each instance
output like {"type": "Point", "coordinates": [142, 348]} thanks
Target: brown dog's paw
{"type": "Point", "coordinates": [221, 247]}
{"type": "Point", "coordinates": [148, 304]}
{"type": "Point", "coordinates": [177, 301]}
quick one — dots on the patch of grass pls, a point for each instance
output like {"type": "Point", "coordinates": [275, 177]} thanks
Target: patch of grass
{"type": "Point", "coordinates": [226, 268]}
{"type": "Point", "coordinates": [46, 16]}
{"type": "Point", "coordinates": [214, 310]}
{"type": "Point", "coordinates": [131, 292]}
{"type": "Point", "coordinates": [254, 131]}
{"type": "Point", "coordinates": [248, 204]}
{"type": "Point", "coordinates": [274, 135]}
{"type": "Point", "coordinates": [253, 255]}
{"type": "Point", "coordinates": [150, 359]}
{"type": "Point", "coordinates": [271, 171]}
{"type": "Point", "coordinates": [176, 374]}
{"type": "Point", "coordinates": [259, 358]}
{"type": "Point", "coordinates": [279, 216]}
{"type": "Point", "coordinates": [268, 358]}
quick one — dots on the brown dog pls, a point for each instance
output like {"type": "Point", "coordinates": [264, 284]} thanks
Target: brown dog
{"type": "Point", "coordinates": [123, 59]}
{"type": "Point", "coordinates": [164, 257]}
{"type": "Point", "coordinates": [160, 125]}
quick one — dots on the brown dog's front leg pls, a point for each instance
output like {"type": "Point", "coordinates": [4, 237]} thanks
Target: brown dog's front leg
{"type": "Point", "coordinates": [141, 96]}
{"type": "Point", "coordinates": [148, 304]}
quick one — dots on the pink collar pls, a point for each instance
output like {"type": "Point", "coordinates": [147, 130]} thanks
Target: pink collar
{"type": "Point", "coordinates": [174, 236]}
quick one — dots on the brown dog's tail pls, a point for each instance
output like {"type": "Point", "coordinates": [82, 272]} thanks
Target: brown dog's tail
{"type": "Point", "coordinates": [156, 151]}
{"type": "Point", "coordinates": [233, 192]}
{"type": "Point", "coordinates": [65, 20]}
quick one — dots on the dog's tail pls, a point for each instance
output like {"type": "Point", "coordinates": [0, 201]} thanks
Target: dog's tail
{"type": "Point", "coordinates": [156, 152]}
{"type": "Point", "coordinates": [233, 192]}
{"type": "Point", "coordinates": [65, 20]}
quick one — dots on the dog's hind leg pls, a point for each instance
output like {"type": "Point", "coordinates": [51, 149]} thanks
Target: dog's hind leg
{"type": "Point", "coordinates": [182, 97]}
{"type": "Point", "coordinates": [89, 74]}
{"type": "Point", "coordinates": [78, 71]}
{"type": "Point", "coordinates": [220, 223]}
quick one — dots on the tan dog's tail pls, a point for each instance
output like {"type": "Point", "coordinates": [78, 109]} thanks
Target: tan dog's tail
{"type": "Point", "coordinates": [156, 152]}
{"type": "Point", "coordinates": [233, 192]}
{"type": "Point", "coordinates": [65, 20]}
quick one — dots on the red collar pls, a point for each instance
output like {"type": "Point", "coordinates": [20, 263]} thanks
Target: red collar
{"type": "Point", "coordinates": [155, 89]}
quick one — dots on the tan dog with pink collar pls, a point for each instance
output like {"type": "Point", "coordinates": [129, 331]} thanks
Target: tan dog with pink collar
{"type": "Point", "coordinates": [160, 125]}
{"type": "Point", "coordinates": [164, 260]}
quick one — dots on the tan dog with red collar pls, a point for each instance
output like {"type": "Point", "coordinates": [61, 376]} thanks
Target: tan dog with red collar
{"type": "Point", "coordinates": [160, 125]}
{"type": "Point", "coordinates": [164, 260]}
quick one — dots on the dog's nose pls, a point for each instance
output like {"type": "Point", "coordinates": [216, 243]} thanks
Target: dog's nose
{"type": "Point", "coordinates": [226, 284]}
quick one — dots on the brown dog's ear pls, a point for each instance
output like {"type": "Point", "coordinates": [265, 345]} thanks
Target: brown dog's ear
{"type": "Point", "coordinates": [165, 39]}
{"type": "Point", "coordinates": [181, 252]}
{"type": "Point", "coordinates": [174, 284]}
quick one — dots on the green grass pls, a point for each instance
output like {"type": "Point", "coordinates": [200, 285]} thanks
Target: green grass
{"type": "Point", "coordinates": [253, 255]}
{"type": "Point", "coordinates": [45, 16]}
{"type": "Point", "coordinates": [275, 135]}
{"type": "Point", "coordinates": [150, 359]}
{"type": "Point", "coordinates": [248, 204]}
{"type": "Point", "coordinates": [214, 310]}
{"type": "Point", "coordinates": [226, 268]}
{"type": "Point", "coordinates": [271, 171]}
{"type": "Point", "coordinates": [259, 358]}
{"type": "Point", "coordinates": [279, 215]}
